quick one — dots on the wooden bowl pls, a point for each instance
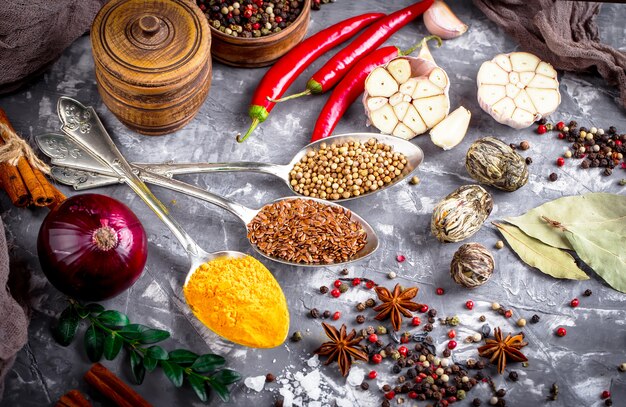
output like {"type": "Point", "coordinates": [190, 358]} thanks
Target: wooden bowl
{"type": "Point", "coordinates": [260, 51]}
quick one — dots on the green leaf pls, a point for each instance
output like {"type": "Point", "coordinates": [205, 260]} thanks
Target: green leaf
{"type": "Point", "coordinates": [94, 343]}
{"type": "Point", "coordinates": [603, 251]}
{"type": "Point", "coordinates": [136, 367]}
{"type": "Point", "coordinates": [220, 389]}
{"type": "Point", "coordinates": [198, 384]}
{"type": "Point", "coordinates": [173, 372]}
{"type": "Point", "coordinates": [67, 326]}
{"type": "Point", "coordinates": [153, 336]}
{"type": "Point", "coordinates": [133, 331]}
{"type": "Point", "coordinates": [94, 308]}
{"type": "Point", "coordinates": [227, 376]}
{"type": "Point", "coordinates": [207, 363]}
{"type": "Point", "coordinates": [112, 345]}
{"type": "Point", "coordinates": [113, 319]}
{"type": "Point", "coordinates": [149, 363]}
{"type": "Point", "coordinates": [594, 212]}
{"type": "Point", "coordinates": [183, 357]}
{"type": "Point", "coordinates": [157, 352]}
{"type": "Point", "coordinates": [547, 259]}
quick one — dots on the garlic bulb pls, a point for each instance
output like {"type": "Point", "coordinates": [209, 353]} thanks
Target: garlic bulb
{"type": "Point", "coordinates": [518, 89]}
{"type": "Point", "coordinates": [440, 20]}
{"type": "Point", "coordinates": [451, 130]}
{"type": "Point", "coordinates": [408, 96]}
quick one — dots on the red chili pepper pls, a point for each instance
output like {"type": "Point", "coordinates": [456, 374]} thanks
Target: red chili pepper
{"type": "Point", "coordinates": [352, 85]}
{"type": "Point", "coordinates": [282, 74]}
{"type": "Point", "coordinates": [336, 67]}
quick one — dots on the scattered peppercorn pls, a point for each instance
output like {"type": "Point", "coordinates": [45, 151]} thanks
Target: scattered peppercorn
{"type": "Point", "coordinates": [344, 272]}
{"type": "Point", "coordinates": [622, 367]}
{"type": "Point", "coordinates": [482, 318]}
{"type": "Point", "coordinates": [360, 319]}
{"type": "Point", "coordinates": [542, 129]}
{"type": "Point", "coordinates": [365, 385]}
{"type": "Point", "coordinates": [343, 288]}
{"type": "Point", "coordinates": [553, 177]}
{"type": "Point", "coordinates": [326, 314]}
{"type": "Point", "coordinates": [335, 293]}
{"type": "Point", "coordinates": [361, 307]}
{"type": "Point", "coordinates": [336, 315]}
{"type": "Point", "coordinates": [270, 378]}
{"type": "Point", "coordinates": [501, 393]}
{"type": "Point", "coordinates": [561, 331]}
{"type": "Point", "coordinates": [529, 160]}
{"type": "Point", "coordinates": [508, 313]}
{"type": "Point", "coordinates": [622, 182]}
{"type": "Point", "coordinates": [323, 289]}
{"type": "Point", "coordinates": [574, 303]}
{"type": "Point", "coordinates": [605, 394]}
{"type": "Point", "coordinates": [534, 319]}
{"type": "Point", "coordinates": [524, 145]}
{"type": "Point", "coordinates": [414, 180]}
{"type": "Point", "coordinates": [499, 244]}
{"type": "Point", "coordinates": [297, 336]}
{"type": "Point", "coordinates": [560, 161]}
{"type": "Point", "coordinates": [476, 402]}
{"type": "Point", "coordinates": [315, 313]}
{"type": "Point", "coordinates": [608, 402]}
{"type": "Point", "coordinates": [521, 322]}
{"type": "Point", "coordinates": [513, 376]}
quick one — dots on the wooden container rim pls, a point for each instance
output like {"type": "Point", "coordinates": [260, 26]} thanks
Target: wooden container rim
{"type": "Point", "coordinates": [267, 39]}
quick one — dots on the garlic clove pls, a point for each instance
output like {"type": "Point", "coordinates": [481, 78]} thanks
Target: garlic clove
{"type": "Point", "coordinates": [451, 130]}
{"type": "Point", "coordinates": [414, 121]}
{"type": "Point", "coordinates": [504, 107]}
{"type": "Point", "coordinates": [403, 131]}
{"type": "Point", "coordinates": [503, 62]}
{"type": "Point", "coordinates": [395, 99]}
{"type": "Point", "coordinates": [546, 69]}
{"type": "Point", "coordinates": [524, 61]}
{"type": "Point", "coordinates": [526, 78]}
{"type": "Point", "coordinates": [513, 78]}
{"type": "Point", "coordinates": [523, 117]}
{"type": "Point", "coordinates": [491, 74]}
{"type": "Point", "coordinates": [543, 82]}
{"type": "Point", "coordinates": [425, 88]}
{"type": "Point", "coordinates": [523, 102]}
{"type": "Point", "coordinates": [376, 103]}
{"type": "Point", "coordinates": [408, 87]}
{"type": "Point", "coordinates": [400, 110]}
{"type": "Point", "coordinates": [441, 21]}
{"type": "Point", "coordinates": [511, 90]}
{"type": "Point", "coordinates": [381, 83]}
{"type": "Point", "coordinates": [438, 77]}
{"type": "Point", "coordinates": [400, 69]}
{"type": "Point", "coordinates": [384, 119]}
{"type": "Point", "coordinates": [492, 93]}
{"type": "Point", "coordinates": [433, 109]}
{"type": "Point", "coordinates": [546, 100]}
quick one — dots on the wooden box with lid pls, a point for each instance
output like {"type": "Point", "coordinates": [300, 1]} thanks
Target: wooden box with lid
{"type": "Point", "coordinates": [152, 62]}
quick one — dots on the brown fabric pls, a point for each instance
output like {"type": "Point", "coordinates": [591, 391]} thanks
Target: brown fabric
{"type": "Point", "coordinates": [34, 33]}
{"type": "Point", "coordinates": [13, 318]}
{"type": "Point", "coordinates": [563, 33]}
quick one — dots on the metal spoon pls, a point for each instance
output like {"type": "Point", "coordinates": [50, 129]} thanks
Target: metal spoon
{"type": "Point", "coordinates": [64, 153]}
{"type": "Point", "coordinates": [94, 151]}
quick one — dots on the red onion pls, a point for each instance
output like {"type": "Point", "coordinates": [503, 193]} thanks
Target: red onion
{"type": "Point", "coordinates": [92, 247]}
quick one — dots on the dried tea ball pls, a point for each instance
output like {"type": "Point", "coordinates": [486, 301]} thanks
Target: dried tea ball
{"type": "Point", "coordinates": [461, 214]}
{"type": "Point", "coordinates": [472, 265]}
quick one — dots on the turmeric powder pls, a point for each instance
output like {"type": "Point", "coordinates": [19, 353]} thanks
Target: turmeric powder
{"type": "Point", "coordinates": [240, 300]}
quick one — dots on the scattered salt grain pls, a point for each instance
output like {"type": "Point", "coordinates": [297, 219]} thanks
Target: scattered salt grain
{"type": "Point", "coordinates": [356, 376]}
{"type": "Point", "coordinates": [256, 383]}
{"type": "Point", "coordinates": [311, 384]}
{"type": "Point", "coordinates": [287, 397]}
{"type": "Point", "coordinates": [314, 361]}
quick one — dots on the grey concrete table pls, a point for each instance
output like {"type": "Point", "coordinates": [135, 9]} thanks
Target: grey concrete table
{"type": "Point", "coordinates": [583, 363]}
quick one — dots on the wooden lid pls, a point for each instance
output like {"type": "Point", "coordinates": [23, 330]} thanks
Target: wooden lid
{"type": "Point", "coordinates": [150, 43]}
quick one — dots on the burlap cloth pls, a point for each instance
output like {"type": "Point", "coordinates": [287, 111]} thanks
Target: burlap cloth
{"type": "Point", "coordinates": [13, 318]}
{"type": "Point", "coordinates": [563, 33]}
{"type": "Point", "coordinates": [34, 33]}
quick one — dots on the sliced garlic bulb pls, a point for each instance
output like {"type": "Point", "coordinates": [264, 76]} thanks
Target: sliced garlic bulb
{"type": "Point", "coordinates": [408, 96]}
{"type": "Point", "coordinates": [518, 89]}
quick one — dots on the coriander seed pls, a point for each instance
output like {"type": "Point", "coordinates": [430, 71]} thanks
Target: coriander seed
{"type": "Point", "coordinates": [524, 145]}
{"type": "Point", "coordinates": [414, 180]}
{"type": "Point", "coordinates": [521, 322]}
{"type": "Point", "coordinates": [499, 244]}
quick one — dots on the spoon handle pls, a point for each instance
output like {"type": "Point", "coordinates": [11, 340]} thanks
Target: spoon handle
{"type": "Point", "coordinates": [171, 169]}
{"type": "Point", "coordinates": [84, 127]}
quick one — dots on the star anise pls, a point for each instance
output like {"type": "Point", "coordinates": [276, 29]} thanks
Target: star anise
{"type": "Point", "coordinates": [395, 304]}
{"type": "Point", "coordinates": [342, 347]}
{"type": "Point", "coordinates": [500, 350]}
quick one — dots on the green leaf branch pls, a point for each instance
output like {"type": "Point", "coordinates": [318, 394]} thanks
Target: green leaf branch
{"type": "Point", "coordinates": [109, 331]}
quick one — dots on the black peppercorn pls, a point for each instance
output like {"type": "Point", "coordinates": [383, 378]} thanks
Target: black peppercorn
{"type": "Point", "coordinates": [428, 327]}
{"type": "Point", "coordinates": [432, 312]}
{"type": "Point", "coordinates": [360, 319]}
{"type": "Point", "coordinates": [553, 177]}
{"type": "Point", "coordinates": [587, 293]}
{"type": "Point", "coordinates": [608, 402]}
{"type": "Point", "coordinates": [529, 160]}
{"type": "Point", "coordinates": [534, 319]}
{"type": "Point", "coordinates": [326, 314]}
{"type": "Point", "coordinates": [385, 403]}
{"type": "Point", "coordinates": [396, 369]}
{"type": "Point", "coordinates": [476, 402]}
{"type": "Point", "coordinates": [411, 373]}
{"type": "Point", "coordinates": [345, 272]}
{"type": "Point", "coordinates": [397, 389]}
{"type": "Point", "coordinates": [513, 376]}
{"type": "Point", "coordinates": [501, 393]}
{"type": "Point", "coordinates": [323, 289]}
{"type": "Point", "coordinates": [432, 320]}
{"type": "Point", "coordinates": [612, 130]}
{"type": "Point", "coordinates": [270, 377]}
{"type": "Point", "coordinates": [386, 388]}
{"type": "Point", "coordinates": [501, 403]}
{"type": "Point", "coordinates": [608, 171]}
{"type": "Point", "coordinates": [543, 120]}
{"type": "Point", "coordinates": [365, 385]}
{"type": "Point", "coordinates": [585, 164]}
{"type": "Point", "coordinates": [315, 313]}
{"type": "Point", "coordinates": [446, 353]}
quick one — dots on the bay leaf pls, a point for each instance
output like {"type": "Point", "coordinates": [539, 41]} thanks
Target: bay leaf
{"type": "Point", "coordinates": [549, 260]}
{"type": "Point", "coordinates": [603, 251]}
{"type": "Point", "coordinates": [594, 211]}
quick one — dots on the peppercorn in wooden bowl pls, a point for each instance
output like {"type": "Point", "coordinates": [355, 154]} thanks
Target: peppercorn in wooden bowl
{"type": "Point", "coordinates": [252, 52]}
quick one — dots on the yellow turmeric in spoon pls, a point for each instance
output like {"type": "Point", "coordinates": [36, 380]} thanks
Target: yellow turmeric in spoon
{"type": "Point", "coordinates": [239, 299]}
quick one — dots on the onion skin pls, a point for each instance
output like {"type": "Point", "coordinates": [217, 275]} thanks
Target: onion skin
{"type": "Point", "coordinates": [75, 264]}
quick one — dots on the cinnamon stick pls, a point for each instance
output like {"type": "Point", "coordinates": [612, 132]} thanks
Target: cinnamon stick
{"type": "Point", "coordinates": [23, 183]}
{"type": "Point", "coordinates": [113, 388]}
{"type": "Point", "coordinates": [73, 398]}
